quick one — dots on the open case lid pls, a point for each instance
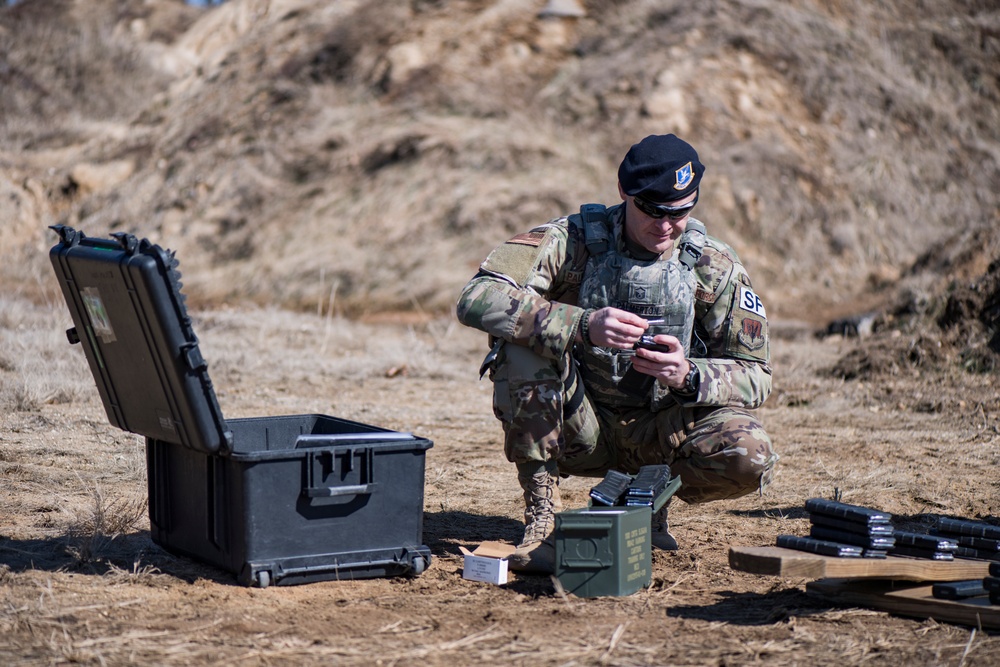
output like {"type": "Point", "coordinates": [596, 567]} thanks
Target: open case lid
{"type": "Point", "coordinates": [124, 296]}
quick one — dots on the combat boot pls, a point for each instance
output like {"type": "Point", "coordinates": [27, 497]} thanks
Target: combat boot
{"type": "Point", "coordinates": [661, 537]}
{"type": "Point", "coordinates": [537, 551]}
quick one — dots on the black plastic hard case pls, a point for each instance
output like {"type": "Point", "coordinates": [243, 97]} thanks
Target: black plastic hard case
{"type": "Point", "coordinates": [273, 500]}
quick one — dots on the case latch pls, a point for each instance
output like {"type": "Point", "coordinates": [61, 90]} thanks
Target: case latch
{"type": "Point", "coordinates": [192, 356]}
{"type": "Point", "coordinates": [67, 234]}
{"type": "Point", "coordinates": [127, 241]}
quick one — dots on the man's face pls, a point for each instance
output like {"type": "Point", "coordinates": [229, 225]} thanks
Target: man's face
{"type": "Point", "coordinates": [656, 235]}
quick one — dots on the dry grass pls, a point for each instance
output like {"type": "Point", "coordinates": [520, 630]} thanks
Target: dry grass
{"type": "Point", "coordinates": [95, 536]}
{"type": "Point", "coordinates": [834, 436]}
{"type": "Point", "coordinates": [353, 162]}
{"type": "Point", "coordinates": [37, 364]}
{"type": "Point", "coordinates": [85, 68]}
{"type": "Point", "coordinates": [841, 137]}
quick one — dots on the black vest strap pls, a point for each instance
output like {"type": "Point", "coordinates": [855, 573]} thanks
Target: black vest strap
{"type": "Point", "coordinates": [691, 246]}
{"type": "Point", "coordinates": [595, 227]}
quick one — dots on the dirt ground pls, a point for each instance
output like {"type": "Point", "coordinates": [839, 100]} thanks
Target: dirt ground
{"type": "Point", "coordinates": [81, 581]}
{"type": "Point", "coordinates": [331, 174]}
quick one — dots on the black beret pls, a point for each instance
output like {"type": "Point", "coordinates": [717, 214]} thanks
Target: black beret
{"type": "Point", "coordinates": [661, 168]}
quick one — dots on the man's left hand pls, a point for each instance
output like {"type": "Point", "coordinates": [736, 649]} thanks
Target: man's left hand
{"type": "Point", "coordinates": [670, 368]}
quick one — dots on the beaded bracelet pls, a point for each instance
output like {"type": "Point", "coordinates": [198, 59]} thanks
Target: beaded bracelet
{"type": "Point", "coordinates": [585, 326]}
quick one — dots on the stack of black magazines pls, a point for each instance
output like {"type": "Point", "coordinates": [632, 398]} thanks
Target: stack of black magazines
{"type": "Point", "coordinates": [992, 583]}
{"type": "Point", "coordinates": [651, 487]}
{"type": "Point", "coordinates": [976, 539]}
{"type": "Point", "coordinates": [843, 530]}
{"type": "Point", "coordinates": [920, 545]}
{"type": "Point", "coordinates": [971, 588]}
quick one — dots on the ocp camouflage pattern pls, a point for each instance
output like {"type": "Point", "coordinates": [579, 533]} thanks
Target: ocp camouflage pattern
{"type": "Point", "coordinates": [538, 307]}
{"type": "Point", "coordinates": [655, 288]}
{"type": "Point", "coordinates": [528, 294]}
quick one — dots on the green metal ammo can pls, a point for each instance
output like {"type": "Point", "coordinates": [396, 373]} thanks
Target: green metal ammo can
{"type": "Point", "coordinates": [603, 550]}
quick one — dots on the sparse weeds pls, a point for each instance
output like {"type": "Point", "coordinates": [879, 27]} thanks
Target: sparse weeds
{"type": "Point", "coordinates": [139, 573]}
{"type": "Point", "coordinates": [131, 459]}
{"type": "Point", "coordinates": [34, 390]}
{"type": "Point", "coordinates": [28, 397]}
{"type": "Point", "coordinates": [46, 370]}
{"type": "Point", "coordinates": [6, 363]}
{"type": "Point", "coordinates": [107, 520]}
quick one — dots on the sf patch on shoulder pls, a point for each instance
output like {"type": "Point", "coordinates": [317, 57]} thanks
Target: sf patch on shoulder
{"type": "Point", "coordinates": [748, 326]}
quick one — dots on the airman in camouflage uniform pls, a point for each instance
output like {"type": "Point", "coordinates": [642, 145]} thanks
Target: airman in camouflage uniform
{"type": "Point", "coordinates": [564, 305]}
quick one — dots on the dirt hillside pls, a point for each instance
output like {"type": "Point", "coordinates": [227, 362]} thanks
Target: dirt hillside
{"type": "Point", "coordinates": [294, 149]}
{"type": "Point", "coordinates": [331, 173]}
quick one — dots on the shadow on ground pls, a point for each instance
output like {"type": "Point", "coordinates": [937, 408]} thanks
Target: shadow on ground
{"type": "Point", "coordinates": [136, 552]}
{"type": "Point", "coordinates": [773, 513]}
{"type": "Point", "coordinates": [133, 553]}
{"type": "Point", "coordinates": [444, 531]}
{"type": "Point", "coordinates": [753, 608]}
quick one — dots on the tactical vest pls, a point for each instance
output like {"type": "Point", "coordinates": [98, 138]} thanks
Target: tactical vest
{"type": "Point", "coordinates": [661, 289]}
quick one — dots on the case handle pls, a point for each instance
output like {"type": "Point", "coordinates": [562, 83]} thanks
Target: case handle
{"type": "Point", "coordinates": [316, 488]}
{"type": "Point", "coordinates": [336, 491]}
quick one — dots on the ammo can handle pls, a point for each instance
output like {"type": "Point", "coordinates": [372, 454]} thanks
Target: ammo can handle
{"type": "Point", "coordinates": [585, 563]}
{"type": "Point", "coordinates": [334, 491]}
{"type": "Point", "coordinates": [567, 525]}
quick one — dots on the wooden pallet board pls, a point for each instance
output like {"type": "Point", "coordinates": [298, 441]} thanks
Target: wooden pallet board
{"type": "Point", "coordinates": [790, 563]}
{"type": "Point", "coordinates": [908, 599]}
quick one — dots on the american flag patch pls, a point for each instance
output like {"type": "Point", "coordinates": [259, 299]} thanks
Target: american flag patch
{"type": "Point", "coordinates": [528, 238]}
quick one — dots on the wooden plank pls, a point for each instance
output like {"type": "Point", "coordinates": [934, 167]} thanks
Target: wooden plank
{"type": "Point", "coordinates": [800, 564]}
{"type": "Point", "coordinates": [913, 600]}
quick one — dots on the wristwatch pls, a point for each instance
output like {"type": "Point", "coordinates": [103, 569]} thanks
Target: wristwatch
{"type": "Point", "coordinates": [691, 382]}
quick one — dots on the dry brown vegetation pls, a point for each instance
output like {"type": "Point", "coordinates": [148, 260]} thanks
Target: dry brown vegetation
{"type": "Point", "coordinates": [331, 173]}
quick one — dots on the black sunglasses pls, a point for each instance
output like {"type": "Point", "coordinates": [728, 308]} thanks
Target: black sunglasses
{"type": "Point", "coordinates": [658, 211]}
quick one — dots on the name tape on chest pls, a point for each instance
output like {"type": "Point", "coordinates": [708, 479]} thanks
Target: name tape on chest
{"type": "Point", "coordinates": [750, 302]}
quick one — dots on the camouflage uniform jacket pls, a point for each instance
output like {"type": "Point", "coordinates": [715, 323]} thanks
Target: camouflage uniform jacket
{"type": "Point", "coordinates": [526, 293]}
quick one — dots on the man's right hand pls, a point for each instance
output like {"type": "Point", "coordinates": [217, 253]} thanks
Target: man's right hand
{"type": "Point", "coordinates": [611, 327]}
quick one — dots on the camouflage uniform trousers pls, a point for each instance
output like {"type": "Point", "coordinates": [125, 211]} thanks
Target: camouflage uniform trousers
{"type": "Point", "coordinates": [719, 452]}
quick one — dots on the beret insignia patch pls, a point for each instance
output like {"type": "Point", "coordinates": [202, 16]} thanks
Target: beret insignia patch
{"type": "Point", "coordinates": [684, 176]}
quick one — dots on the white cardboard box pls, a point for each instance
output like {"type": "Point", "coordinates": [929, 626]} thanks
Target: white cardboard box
{"type": "Point", "coordinates": [488, 562]}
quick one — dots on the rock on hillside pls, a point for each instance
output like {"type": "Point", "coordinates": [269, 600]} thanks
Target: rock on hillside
{"type": "Point", "coordinates": [368, 154]}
